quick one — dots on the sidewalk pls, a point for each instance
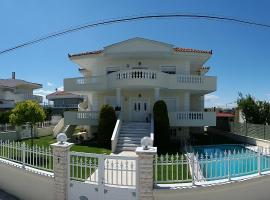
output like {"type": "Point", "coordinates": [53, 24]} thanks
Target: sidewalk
{"type": "Point", "coordinates": [5, 196]}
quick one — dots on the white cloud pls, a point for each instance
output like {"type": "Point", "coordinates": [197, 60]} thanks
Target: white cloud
{"type": "Point", "coordinates": [49, 84]}
{"type": "Point", "coordinates": [212, 100]}
{"type": "Point", "coordinates": [43, 93]}
{"type": "Point", "coordinates": [61, 88]}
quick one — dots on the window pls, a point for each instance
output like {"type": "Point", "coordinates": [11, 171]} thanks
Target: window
{"type": "Point", "coordinates": [168, 69]}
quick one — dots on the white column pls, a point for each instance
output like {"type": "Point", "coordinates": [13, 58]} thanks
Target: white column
{"type": "Point", "coordinates": [94, 102]}
{"type": "Point", "coordinates": [187, 101]}
{"type": "Point", "coordinates": [118, 97]}
{"type": "Point", "coordinates": [202, 103]}
{"type": "Point", "coordinates": [145, 173]}
{"type": "Point", "coordinates": [157, 94]}
{"type": "Point", "coordinates": [61, 169]}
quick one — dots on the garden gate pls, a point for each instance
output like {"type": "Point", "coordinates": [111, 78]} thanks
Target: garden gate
{"type": "Point", "coordinates": [102, 177]}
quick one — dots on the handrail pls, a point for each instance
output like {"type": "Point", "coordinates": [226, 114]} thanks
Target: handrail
{"type": "Point", "coordinates": [152, 129]}
{"type": "Point", "coordinates": [59, 126]}
{"type": "Point", "coordinates": [115, 134]}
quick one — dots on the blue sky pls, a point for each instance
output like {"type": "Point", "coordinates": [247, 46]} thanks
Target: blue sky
{"type": "Point", "coordinates": [241, 56]}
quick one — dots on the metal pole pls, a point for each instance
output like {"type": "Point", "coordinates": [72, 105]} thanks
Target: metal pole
{"type": "Point", "coordinates": [192, 168]}
{"type": "Point", "coordinates": [229, 166]}
{"type": "Point", "coordinates": [259, 161]}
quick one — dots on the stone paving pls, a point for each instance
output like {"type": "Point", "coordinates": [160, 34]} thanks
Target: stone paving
{"type": "Point", "coordinates": [5, 196]}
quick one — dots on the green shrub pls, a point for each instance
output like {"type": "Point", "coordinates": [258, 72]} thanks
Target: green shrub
{"type": "Point", "coordinates": [4, 117]}
{"type": "Point", "coordinates": [107, 120]}
{"type": "Point", "coordinates": [162, 126]}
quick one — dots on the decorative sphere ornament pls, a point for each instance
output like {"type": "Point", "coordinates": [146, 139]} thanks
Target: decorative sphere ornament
{"type": "Point", "coordinates": [61, 138]}
{"type": "Point", "coordinates": [146, 142]}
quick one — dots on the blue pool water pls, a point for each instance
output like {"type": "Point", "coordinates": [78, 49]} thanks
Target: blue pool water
{"type": "Point", "coordinates": [221, 161]}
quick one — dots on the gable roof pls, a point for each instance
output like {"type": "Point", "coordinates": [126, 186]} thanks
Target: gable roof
{"type": "Point", "coordinates": [62, 94]}
{"type": "Point", "coordinates": [12, 83]}
{"type": "Point", "coordinates": [176, 49]}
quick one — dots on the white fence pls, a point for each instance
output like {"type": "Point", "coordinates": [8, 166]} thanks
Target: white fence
{"type": "Point", "coordinates": [36, 157]}
{"type": "Point", "coordinates": [211, 166]}
{"type": "Point", "coordinates": [7, 127]}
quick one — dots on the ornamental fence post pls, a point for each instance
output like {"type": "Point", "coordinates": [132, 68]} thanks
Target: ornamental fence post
{"type": "Point", "coordinates": [229, 166]}
{"type": "Point", "coordinates": [23, 155]}
{"type": "Point", "coordinates": [192, 168]}
{"type": "Point", "coordinates": [259, 161]}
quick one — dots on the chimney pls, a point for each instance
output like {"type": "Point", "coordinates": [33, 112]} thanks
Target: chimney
{"type": "Point", "coordinates": [13, 75]}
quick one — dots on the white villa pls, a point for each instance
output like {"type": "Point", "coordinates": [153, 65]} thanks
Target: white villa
{"type": "Point", "coordinates": [133, 75]}
{"type": "Point", "coordinates": [15, 90]}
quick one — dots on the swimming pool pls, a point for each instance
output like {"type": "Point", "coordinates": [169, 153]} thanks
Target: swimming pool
{"type": "Point", "coordinates": [227, 161]}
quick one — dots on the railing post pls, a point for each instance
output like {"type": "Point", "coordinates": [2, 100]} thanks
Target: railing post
{"type": "Point", "coordinates": [246, 129]}
{"type": "Point", "coordinates": [23, 155]}
{"type": "Point", "coordinates": [229, 166]}
{"type": "Point", "coordinates": [145, 173]}
{"type": "Point", "coordinates": [61, 169]}
{"type": "Point", "coordinates": [264, 131]}
{"type": "Point", "coordinates": [192, 169]}
{"type": "Point", "coordinates": [259, 161]}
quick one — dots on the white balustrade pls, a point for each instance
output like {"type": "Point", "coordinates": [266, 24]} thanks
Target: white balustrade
{"type": "Point", "coordinates": [88, 115]}
{"type": "Point", "coordinates": [136, 74]}
{"type": "Point", "coordinates": [192, 79]}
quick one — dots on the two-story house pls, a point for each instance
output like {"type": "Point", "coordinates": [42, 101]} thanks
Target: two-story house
{"type": "Point", "coordinates": [62, 100]}
{"type": "Point", "coordinates": [133, 75]}
{"type": "Point", "coordinates": [15, 90]}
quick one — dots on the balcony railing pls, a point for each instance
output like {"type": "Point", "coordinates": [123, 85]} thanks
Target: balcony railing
{"type": "Point", "coordinates": [30, 97]}
{"type": "Point", "coordinates": [7, 104]}
{"type": "Point", "coordinates": [81, 117]}
{"type": "Point", "coordinates": [141, 78]}
{"type": "Point", "coordinates": [192, 118]}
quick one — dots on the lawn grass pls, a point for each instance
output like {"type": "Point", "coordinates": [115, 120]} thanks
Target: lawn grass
{"type": "Point", "coordinates": [172, 169]}
{"type": "Point", "coordinates": [87, 148]}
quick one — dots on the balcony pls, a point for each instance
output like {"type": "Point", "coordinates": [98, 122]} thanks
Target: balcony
{"type": "Point", "coordinates": [141, 78]}
{"type": "Point", "coordinates": [81, 117]}
{"type": "Point", "coordinates": [192, 119]}
{"type": "Point", "coordinates": [23, 97]}
{"type": "Point", "coordinates": [7, 104]}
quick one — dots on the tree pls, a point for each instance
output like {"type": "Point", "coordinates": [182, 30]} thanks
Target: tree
{"type": "Point", "coordinates": [107, 120]}
{"type": "Point", "coordinates": [4, 117]}
{"type": "Point", "coordinates": [254, 111]}
{"type": "Point", "coordinates": [161, 126]}
{"type": "Point", "coordinates": [27, 112]}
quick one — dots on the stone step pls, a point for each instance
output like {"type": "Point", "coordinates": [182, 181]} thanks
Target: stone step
{"type": "Point", "coordinates": [129, 142]}
{"type": "Point", "coordinates": [127, 145]}
{"type": "Point", "coordinates": [119, 149]}
{"type": "Point", "coordinates": [134, 135]}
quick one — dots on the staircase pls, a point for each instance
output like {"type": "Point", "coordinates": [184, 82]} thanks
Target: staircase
{"type": "Point", "coordinates": [131, 134]}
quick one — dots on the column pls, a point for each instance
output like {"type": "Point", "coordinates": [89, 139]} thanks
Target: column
{"type": "Point", "coordinates": [157, 94]}
{"type": "Point", "coordinates": [61, 169]}
{"type": "Point", "coordinates": [202, 103]}
{"type": "Point", "coordinates": [187, 101]}
{"type": "Point", "coordinates": [118, 97]}
{"type": "Point", "coordinates": [145, 173]}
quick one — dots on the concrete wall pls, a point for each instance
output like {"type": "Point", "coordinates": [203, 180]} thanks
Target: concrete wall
{"type": "Point", "coordinates": [253, 189]}
{"type": "Point", "coordinates": [24, 184]}
{"type": "Point", "coordinates": [25, 133]}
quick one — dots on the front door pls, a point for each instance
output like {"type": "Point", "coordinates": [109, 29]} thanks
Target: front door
{"type": "Point", "coordinates": [139, 109]}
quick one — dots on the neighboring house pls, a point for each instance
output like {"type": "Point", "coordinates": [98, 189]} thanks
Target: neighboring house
{"type": "Point", "coordinates": [15, 90]}
{"type": "Point", "coordinates": [134, 74]}
{"type": "Point", "coordinates": [63, 101]}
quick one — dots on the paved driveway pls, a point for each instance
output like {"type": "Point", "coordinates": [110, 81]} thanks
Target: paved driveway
{"type": "Point", "coordinates": [5, 196]}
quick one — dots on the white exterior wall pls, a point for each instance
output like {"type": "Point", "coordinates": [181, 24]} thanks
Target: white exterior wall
{"type": "Point", "coordinates": [24, 184]}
